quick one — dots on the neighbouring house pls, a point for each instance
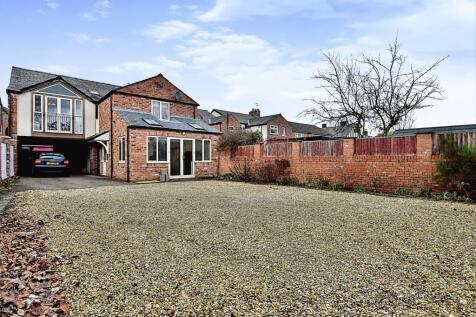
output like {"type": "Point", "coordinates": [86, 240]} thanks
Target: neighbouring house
{"type": "Point", "coordinates": [304, 130]}
{"type": "Point", "coordinates": [271, 127]}
{"type": "Point", "coordinates": [343, 130]}
{"type": "Point", "coordinates": [147, 130]}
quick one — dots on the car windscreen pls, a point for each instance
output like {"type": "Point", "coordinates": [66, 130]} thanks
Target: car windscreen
{"type": "Point", "coordinates": [58, 155]}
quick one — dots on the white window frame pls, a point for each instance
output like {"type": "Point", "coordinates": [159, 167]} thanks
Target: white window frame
{"type": "Point", "coordinates": [42, 121]}
{"type": "Point", "coordinates": [203, 151]}
{"type": "Point", "coordinates": [231, 128]}
{"type": "Point", "coordinates": [274, 127]}
{"type": "Point", "coordinates": [76, 115]}
{"type": "Point", "coordinates": [299, 135]}
{"type": "Point", "coordinates": [160, 109]}
{"type": "Point", "coordinates": [156, 137]}
{"type": "Point", "coordinates": [284, 131]}
{"type": "Point", "coordinates": [122, 149]}
{"type": "Point", "coordinates": [58, 112]}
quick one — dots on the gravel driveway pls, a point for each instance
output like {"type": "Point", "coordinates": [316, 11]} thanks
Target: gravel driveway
{"type": "Point", "coordinates": [228, 249]}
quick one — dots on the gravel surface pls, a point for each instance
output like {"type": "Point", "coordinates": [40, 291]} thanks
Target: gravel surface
{"type": "Point", "coordinates": [233, 249]}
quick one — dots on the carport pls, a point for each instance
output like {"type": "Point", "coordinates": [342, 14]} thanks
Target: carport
{"type": "Point", "coordinates": [29, 149]}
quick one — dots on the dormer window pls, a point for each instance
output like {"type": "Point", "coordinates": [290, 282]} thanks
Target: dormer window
{"type": "Point", "coordinates": [161, 109]}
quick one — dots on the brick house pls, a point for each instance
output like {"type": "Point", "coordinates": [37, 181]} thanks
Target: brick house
{"type": "Point", "coordinates": [271, 127]}
{"type": "Point", "coordinates": [147, 130]}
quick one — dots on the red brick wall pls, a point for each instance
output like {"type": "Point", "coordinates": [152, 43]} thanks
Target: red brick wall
{"type": "Point", "coordinates": [119, 169]}
{"type": "Point", "coordinates": [93, 159]}
{"type": "Point", "coordinates": [385, 172]}
{"type": "Point", "coordinates": [140, 170]}
{"type": "Point", "coordinates": [157, 87]}
{"type": "Point", "coordinates": [12, 116]}
{"type": "Point", "coordinates": [145, 104]}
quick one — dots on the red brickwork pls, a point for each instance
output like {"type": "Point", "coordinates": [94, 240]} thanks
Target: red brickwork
{"type": "Point", "coordinates": [145, 104]}
{"type": "Point", "coordinates": [12, 115]}
{"type": "Point", "coordinates": [157, 87]}
{"type": "Point", "coordinates": [381, 173]}
{"type": "Point", "coordinates": [281, 122]}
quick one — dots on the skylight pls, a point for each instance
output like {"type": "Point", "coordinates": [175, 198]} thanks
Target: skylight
{"type": "Point", "coordinates": [94, 92]}
{"type": "Point", "coordinates": [196, 126]}
{"type": "Point", "coordinates": [151, 122]}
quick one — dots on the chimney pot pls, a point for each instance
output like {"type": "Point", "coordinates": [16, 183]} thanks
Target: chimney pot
{"type": "Point", "coordinates": [324, 125]}
{"type": "Point", "coordinates": [255, 113]}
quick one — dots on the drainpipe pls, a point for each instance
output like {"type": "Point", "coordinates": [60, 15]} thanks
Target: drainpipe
{"type": "Point", "coordinates": [111, 138]}
{"type": "Point", "coordinates": [127, 155]}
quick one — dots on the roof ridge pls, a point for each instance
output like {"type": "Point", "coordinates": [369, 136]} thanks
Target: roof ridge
{"type": "Point", "coordinates": [63, 76]}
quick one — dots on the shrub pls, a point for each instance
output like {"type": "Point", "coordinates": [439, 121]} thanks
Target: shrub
{"type": "Point", "coordinates": [286, 180]}
{"type": "Point", "coordinates": [321, 182]}
{"type": "Point", "coordinates": [450, 196]}
{"type": "Point", "coordinates": [269, 171]}
{"type": "Point", "coordinates": [336, 186]}
{"type": "Point", "coordinates": [241, 170]}
{"type": "Point", "coordinates": [231, 139]}
{"type": "Point", "coordinates": [402, 191]}
{"type": "Point", "coordinates": [425, 192]}
{"type": "Point", "coordinates": [457, 173]}
{"type": "Point", "coordinates": [359, 188]}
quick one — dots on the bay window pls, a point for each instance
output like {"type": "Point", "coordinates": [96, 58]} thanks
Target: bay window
{"type": "Point", "coordinates": [161, 109]}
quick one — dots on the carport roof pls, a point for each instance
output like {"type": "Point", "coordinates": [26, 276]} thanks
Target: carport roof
{"type": "Point", "coordinates": [139, 119]}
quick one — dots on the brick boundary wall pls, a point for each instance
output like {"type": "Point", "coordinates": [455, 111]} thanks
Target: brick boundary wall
{"type": "Point", "coordinates": [380, 172]}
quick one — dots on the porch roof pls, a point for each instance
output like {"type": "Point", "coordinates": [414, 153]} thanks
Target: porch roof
{"type": "Point", "coordinates": [102, 136]}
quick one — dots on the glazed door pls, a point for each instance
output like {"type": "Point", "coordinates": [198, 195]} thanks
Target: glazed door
{"type": "Point", "coordinates": [181, 158]}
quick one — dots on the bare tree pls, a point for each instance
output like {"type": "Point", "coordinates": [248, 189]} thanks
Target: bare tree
{"type": "Point", "coordinates": [374, 93]}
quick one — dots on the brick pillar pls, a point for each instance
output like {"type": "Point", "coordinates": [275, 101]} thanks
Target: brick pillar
{"type": "Point", "coordinates": [424, 144]}
{"type": "Point", "coordinates": [349, 147]}
{"type": "Point", "coordinates": [257, 150]}
{"type": "Point", "coordinates": [295, 149]}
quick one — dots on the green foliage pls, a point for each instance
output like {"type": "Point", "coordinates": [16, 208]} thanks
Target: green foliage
{"type": "Point", "coordinates": [450, 196]}
{"type": "Point", "coordinates": [321, 182]}
{"type": "Point", "coordinates": [425, 192]}
{"type": "Point", "coordinates": [286, 180]}
{"type": "Point", "coordinates": [401, 191]}
{"type": "Point", "coordinates": [359, 188]}
{"type": "Point", "coordinates": [457, 173]}
{"type": "Point", "coordinates": [336, 186]}
{"type": "Point", "coordinates": [231, 139]}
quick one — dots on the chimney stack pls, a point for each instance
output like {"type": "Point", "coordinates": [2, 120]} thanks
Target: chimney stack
{"type": "Point", "coordinates": [324, 125]}
{"type": "Point", "coordinates": [255, 112]}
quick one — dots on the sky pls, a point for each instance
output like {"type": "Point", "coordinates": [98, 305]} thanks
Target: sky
{"type": "Point", "coordinates": [234, 54]}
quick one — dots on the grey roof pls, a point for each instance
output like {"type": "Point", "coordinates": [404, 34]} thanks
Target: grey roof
{"type": "Point", "coordinates": [262, 120]}
{"type": "Point", "coordinates": [241, 117]}
{"type": "Point", "coordinates": [205, 115]}
{"type": "Point", "coordinates": [443, 129]}
{"type": "Point", "coordinates": [306, 128]}
{"type": "Point", "coordinates": [136, 118]}
{"type": "Point", "coordinates": [340, 132]}
{"type": "Point", "coordinates": [24, 78]}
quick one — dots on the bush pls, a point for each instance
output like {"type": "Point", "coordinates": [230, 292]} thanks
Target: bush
{"type": "Point", "coordinates": [241, 170]}
{"type": "Point", "coordinates": [450, 196]}
{"type": "Point", "coordinates": [425, 192]}
{"type": "Point", "coordinates": [321, 182]}
{"type": "Point", "coordinates": [232, 139]}
{"type": "Point", "coordinates": [457, 173]}
{"type": "Point", "coordinates": [268, 172]}
{"type": "Point", "coordinates": [402, 191]}
{"type": "Point", "coordinates": [359, 188]}
{"type": "Point", "coordinates": [286, 180]}
{"type": "Point", "coordinates": [336, 186]}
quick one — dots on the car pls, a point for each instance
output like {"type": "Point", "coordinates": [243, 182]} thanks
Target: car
{"type": "Point", "coordinates": [51, 163]}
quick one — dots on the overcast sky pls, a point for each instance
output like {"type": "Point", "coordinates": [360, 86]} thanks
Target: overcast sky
{"type": "Point", "coordinates": [233, 54]}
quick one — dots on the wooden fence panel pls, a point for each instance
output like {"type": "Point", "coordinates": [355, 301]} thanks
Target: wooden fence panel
{"type": "Point", "coordinates": [276, 149]}
{"type": "Point", "coordinates": [461, 138]}
{"type": "Point", "coordinates": [322, 148]}
{"type": "Point", "coordinates": [405, 145]}
{"type": "Point", "coordinates": [244, 150]}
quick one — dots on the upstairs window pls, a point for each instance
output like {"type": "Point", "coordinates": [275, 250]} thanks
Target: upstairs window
{"type": "Point", "coordinates": [37, 113]}
{"type": "Point", "coordinates": [78, 116]}
{"type": "Point", "coordinates": [284, 131]}
{"type": "Point", "coordinates": [273, 129]}
{"type": "Point", "coordinates": [161, 109]}
{"type": "Point", "coordinates": [299, 135]}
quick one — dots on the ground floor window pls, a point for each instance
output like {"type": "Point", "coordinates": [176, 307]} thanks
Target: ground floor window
{"type": "Point", "coordinates": [122, 149]}
{"type": "Point", "coordinates": [156, 149]}
{"type": "Point", "coordinates": [202, 150]}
